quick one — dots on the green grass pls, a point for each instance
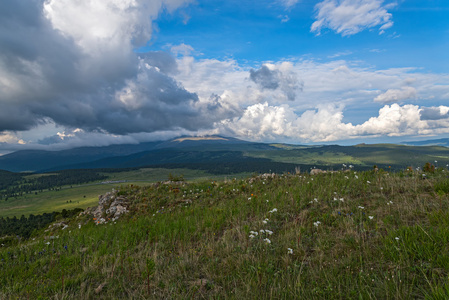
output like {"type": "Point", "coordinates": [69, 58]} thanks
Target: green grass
{"type": "Point", "coordinates": [49, 201]}
{"type": "Point", "coordinates": [379, 236]}
{"type": "Point", "coordinates": [308, 158]}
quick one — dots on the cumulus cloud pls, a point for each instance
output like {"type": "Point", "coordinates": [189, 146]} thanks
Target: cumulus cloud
{"type": "Point", "coordinates": [280, 77]}
{"type": "Point", "coordinates": [348, 17]}
{"type": "Point", "coordinates": [395, 95]}
{"type": "Point", "coordinates": [325, 123]}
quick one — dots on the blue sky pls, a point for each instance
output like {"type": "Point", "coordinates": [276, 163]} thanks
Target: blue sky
{"type": "Point", "coordinates": [297, 71]}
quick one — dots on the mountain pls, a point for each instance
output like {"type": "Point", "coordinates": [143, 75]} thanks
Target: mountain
{"type": "Point", "coordinates": [126, 155]}
{"type": "Point", "coordinates": [437, 142]}
{"type": "Point", "coordinates": [217, 154]}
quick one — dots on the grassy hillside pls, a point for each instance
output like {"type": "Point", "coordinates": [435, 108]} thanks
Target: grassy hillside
{"type": "Point", "coordinates": [339, 235]}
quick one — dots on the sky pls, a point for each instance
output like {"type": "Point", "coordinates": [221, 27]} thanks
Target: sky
{"type": "Point", "coordinates": [95, 73]}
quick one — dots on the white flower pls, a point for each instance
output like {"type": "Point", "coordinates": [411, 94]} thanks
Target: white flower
{"type": "Point", "coordinates": [262, 231]}
{"type": "Point", "coordinates": [316, 223]}
{"type": "Point", "coordinates": [268, 231]}
{"type": "Point", "coordinates": [47, 243]}
{"type": "Point", "coordinates": [267, 241]}
{"type": "Point", "coordinates": [368, 181]}
{"type": "Point", "coordinates": [335, 199]}
{"type": "Point", "coordinates": [273, 210]}
{"type": "Point", "coordinates": [361, 207]}
{"type": "Point", "coordinates": [252, 236]}
{"type": "Point", "coordinates": [356, 177]}
{"type": "Point", "coordinates": [370, 217]}
{"type": "Point", "coordinates": [396, 238]}
{"type": "Point", "coordinates": [79, 226]}
{"type": "Point", "coordinates": [290, 250]}
{"type": "Point", "coordinates": [315, 199]}
{"type": "Point", "coordinates": [265, 221]}
{"type": "Point", "coordinates": [249, 198]}
{"type": "Point", "coordinates": [342, 200]}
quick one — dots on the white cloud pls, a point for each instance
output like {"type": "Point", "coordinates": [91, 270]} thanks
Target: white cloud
{"type": "Point", "coordinates": [396, 95]}
{"type": "Point", "coordinates": [10, 138]}
{"type": "Point", "coordinates": [284, 18]}
{"type": "Point", "coordinates": [324, 124]}
{"type": "Point", "coordinates": [348, 17]}
{"type": "Point", "coordinates": [289, 3]}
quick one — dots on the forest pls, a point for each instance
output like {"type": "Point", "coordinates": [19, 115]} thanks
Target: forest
{"type": "Point", "coordinates": [17, 184]}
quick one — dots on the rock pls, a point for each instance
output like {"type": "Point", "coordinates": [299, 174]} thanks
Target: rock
{"type": "Point", "coordinates": [110, 207]}
{"type": "Point", "coordinates": [316, 171]}
{"type": "Point", "coordinates": [100, 288]}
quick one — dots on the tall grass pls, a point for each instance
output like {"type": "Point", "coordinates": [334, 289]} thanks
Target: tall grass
{"type": "Point", "coordinates": [330, 236]}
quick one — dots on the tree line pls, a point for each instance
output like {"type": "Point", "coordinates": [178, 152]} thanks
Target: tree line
{"type": "Point", "coordinates": [24, 227]}
{"type": "Point", "coordinates": [17, 184]}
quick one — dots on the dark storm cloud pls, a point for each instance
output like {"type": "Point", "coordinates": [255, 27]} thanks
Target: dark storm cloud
{"type": "Point", "coordinates": [45, 75]}
{"type": "Point", "coordinates": [265, 78]}
{"type": "Point", "coordinates": [287, 82]}
{"type": "Point", "coordinates": [432, 113]}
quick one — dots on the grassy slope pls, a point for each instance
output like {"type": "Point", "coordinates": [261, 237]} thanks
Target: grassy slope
{"type": "Point", "coordinates": [380, 236]}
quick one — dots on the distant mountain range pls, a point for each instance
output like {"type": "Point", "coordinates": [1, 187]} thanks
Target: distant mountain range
{"type": "Point", "coordinates": [437, 142]}
{"type": "Point", "coordinates": [210, 151]}
{"type": "Point", "coordinates": [126, 155]}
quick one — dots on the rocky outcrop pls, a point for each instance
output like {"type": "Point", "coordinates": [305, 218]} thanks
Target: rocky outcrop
{"type": "Point", "coordinates": [110, 207]}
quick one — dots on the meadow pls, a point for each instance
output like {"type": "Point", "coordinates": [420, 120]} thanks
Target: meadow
{"type": "Point", "coordinates": [341, 235]}
{"type": "Point", "coordinates": [86, 195]}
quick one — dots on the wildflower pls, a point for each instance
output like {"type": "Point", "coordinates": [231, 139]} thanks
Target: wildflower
{"type": "Point", "coordinates": [370, 217]}
{"type": "Point", "coordinates": [356, 177]}
{"type": "Point", "coordinates": [249, 198]}
{"type": "Point", "coordinates": [316, 223]}
{"type": "Point", "coordinates": [290, 250]}
{"type": "Point", "coordinates": [262, 231]}
{"type": "Point", "coordinates": [335, 199]}
{"type": "Point", "coordinates": [265, 221]}
{"type": "Point", "coordinates": [368, 181]}
{"type": "Point", "coordinates": [389, 202]}
{"type": "Point", "coordinates": [342, 200]}
{"type": "Point", "coordinates": [255, 233]}
{"type": "Point", "coordinates": [267, 241]}
{"type": "Point", "coordinates": [361, 207]}
{"type": "Point", "coordinates": [273, 210]}
{"type": "Point", "coordinates": [396, 238]}
{"type": "Point", "coordinates": [252, 236]}
{"type": "Point", "coordinates": [268, 231]}
{"type": "Point", "coordinates": [47, 243]}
